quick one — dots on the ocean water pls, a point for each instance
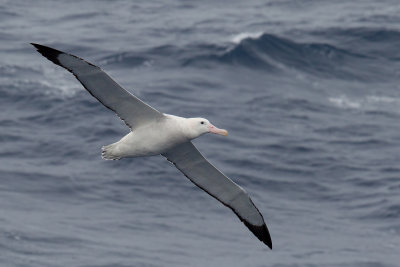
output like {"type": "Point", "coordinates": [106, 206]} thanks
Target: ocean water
{"type": "Point", "coordinates": [309, 91]}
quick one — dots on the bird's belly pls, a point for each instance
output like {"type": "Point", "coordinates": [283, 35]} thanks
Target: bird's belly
{"type": "Point", "coordinates": [148, 142]}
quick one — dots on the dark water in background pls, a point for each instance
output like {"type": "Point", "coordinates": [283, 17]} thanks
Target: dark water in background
{"type": "Point", "coordinates": [311, 100]}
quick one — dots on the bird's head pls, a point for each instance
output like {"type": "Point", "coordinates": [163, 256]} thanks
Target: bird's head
{"type": "Point", "coordinates": [200, 126]}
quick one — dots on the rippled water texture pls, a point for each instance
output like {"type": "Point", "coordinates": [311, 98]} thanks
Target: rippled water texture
{"type": "Point", "coordinates": [309, 91]}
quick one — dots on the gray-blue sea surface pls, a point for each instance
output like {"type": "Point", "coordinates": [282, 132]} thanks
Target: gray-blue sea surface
{"type": "Point", "coordinates": [309, 91]}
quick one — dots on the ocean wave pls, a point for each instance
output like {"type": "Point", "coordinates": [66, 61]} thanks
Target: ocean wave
{"type": "Point", "coordinates": [281, 53]}
{"type": "Point", "coordinates": [268, 52]}
{"type": "Point", "coordinates": [362, 34]}
{"type": "Point", "coordinates": [376, 42]}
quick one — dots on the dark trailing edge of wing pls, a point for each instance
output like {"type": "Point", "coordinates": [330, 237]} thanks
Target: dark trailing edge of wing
{"type": "Point", "coordinates": [260, 231]}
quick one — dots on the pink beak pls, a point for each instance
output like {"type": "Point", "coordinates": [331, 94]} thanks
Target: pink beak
{"type": "Point", "coordinates": [216, 130]}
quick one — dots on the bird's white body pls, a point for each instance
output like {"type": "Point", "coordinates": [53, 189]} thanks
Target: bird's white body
{"type": "Point", "coordinates": [151, 139]}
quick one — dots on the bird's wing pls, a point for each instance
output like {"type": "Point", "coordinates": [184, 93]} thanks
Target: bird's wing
{"type": "Point", "coordinates": [129, 108]}
{"type": "Point", "coordinates": [203, 174]}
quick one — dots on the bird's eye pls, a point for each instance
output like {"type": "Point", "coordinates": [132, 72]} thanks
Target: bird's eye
{"type": "Point", "coordinates": [202, 122]}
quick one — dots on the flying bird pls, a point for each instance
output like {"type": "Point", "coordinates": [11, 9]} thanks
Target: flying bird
{"type": "Point", "coordinates": [156, 133]}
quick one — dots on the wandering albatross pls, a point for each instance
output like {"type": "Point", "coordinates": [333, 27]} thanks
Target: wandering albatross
{"type": "Point", "coordinates": [154, 133]}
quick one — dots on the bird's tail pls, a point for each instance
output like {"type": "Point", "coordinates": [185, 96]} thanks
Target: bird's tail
{"type": "Point", "coordinates": [108, 152]}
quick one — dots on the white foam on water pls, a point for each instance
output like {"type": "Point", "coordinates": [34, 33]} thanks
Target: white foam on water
{"type": "Point", "coordinates": [245, 35]}
{"type": "Point", "coordinates": [59, 83]}
{"type": "Point", "coordinates": [344, 102]}
{"type": "Point", "coordinates": [369, 102]}
{"type": "Point", "coordinates": [382, 99]}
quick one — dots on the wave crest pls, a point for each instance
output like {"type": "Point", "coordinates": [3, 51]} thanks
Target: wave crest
{"type": "Point", "coordinates": [268, 52]}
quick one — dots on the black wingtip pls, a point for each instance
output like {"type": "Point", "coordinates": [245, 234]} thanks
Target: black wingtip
{"type": "Point", "coordinates": [261, 232]}
{"type": "Point", "coordinates": [48, 52]}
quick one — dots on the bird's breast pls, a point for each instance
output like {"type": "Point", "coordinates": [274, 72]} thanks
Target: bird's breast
{"type": "Point", "coordinates": [153, 139]}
